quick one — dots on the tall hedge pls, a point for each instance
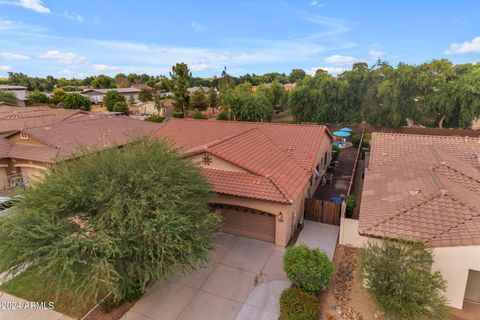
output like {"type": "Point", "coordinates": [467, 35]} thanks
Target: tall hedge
{"type": "Point", "coordinates": [112, 222]}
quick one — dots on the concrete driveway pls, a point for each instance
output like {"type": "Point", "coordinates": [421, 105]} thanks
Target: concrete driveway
{"type": "Point", "coordinates": [243, 282]}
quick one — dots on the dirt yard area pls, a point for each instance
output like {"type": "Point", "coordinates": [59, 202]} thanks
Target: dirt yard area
{"type": "Point", "coordinates": [346, 298]}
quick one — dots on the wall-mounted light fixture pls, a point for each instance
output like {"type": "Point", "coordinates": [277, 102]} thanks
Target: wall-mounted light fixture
{"type": "Point", "coordinates": [280, 217]}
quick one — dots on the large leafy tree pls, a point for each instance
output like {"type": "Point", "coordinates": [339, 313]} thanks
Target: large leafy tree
{"type": "Point", "coordinates": [76, 101]}
{"type": "Point", "coordinates": [8, 97]}
{"type": "Point", "coordinates": [243, 104]}
{"type": "Point", "coordinates": [145, 94]}
{"type": "Point", "coordinates": [297, 75]}
{"type": "Point", "coordinates": [212, 97]}
{"type": "Point", "coordinates": [103, 82]}
{"type": "Point", "coordinates": [319, 99]}
{"type": "Point", "coordinates": [111, 222]}
{"type": "Point", "coordinates": [199, 100]}
{"type": "Point", "coordinates": [58, 95]}
{"type": "Point", "coordinates": [180, 78]}
{"type": "Point", "coordinates": [111, 98]}
{"type": "Point", "coordinates": [399, 277]}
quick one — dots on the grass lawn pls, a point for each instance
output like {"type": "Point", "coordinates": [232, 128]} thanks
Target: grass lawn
{"type": "Point", "coordinates": [26, 286]}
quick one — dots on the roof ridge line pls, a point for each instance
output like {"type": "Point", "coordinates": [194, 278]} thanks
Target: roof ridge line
{"type": "Point", "coordinates": [230, 137]}
{"type": "Point", "coordinates": [458, 223]}
{"type": "Point", "coordinates": [460, 172]}
{"type": "Point", "coordinates": [396, 214]}
{"type": "Point", "coordinates": [279, 189]}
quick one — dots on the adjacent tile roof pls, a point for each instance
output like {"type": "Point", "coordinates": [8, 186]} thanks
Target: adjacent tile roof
{"type": "Point", "coordinates": [15, 118]}
{"type": "Point", "coordinates": [119, 90]}
{"type": "Point", "coordinates": [422, 187]}
{"type": "Point", "coordinates": [67, 139]}
{"type": "Point", "coordinates": [278, 158]}
{"type": "Point", "coordinates": [9, 87]}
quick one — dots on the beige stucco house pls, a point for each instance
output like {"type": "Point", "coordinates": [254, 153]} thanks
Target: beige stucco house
{"type": "Point", "coordinates": [426, 188]}
{"type": "Point", "coordinates": [97, 95]}
{"type": "Point", "coordinates": [261, 172]}
{"type": "Point", "coordinates": [25, 154]}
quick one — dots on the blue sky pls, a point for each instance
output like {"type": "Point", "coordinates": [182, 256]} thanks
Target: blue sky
{"type": "Point", "coordinates": [75, 38]}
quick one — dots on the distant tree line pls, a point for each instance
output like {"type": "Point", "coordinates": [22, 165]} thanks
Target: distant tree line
{"type": "Point", "coordinates": [433, 94]}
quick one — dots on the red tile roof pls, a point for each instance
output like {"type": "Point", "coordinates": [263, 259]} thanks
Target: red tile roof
{"type": "Point", "coordinates": [275, 155]}
{"type": "Point", "coordinates": [67, 139]}
{"type": "Point", "coordinates": [15, 118]}
{"type": "Point", "coordinates": [423, 188]}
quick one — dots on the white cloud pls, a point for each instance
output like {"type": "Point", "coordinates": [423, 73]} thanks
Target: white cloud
{"type": "Point", "coordinates": [315, 3]}
{"type": "Point", "coordinates": [69, 58]}
{"type": "Point", "coordinates": [331, 70]}
{"type": "Point", "coordinates": [76, 17]}
{"type": "Point", "coordinates": [35, 5]}
{"type": "Point", "coordinates": [104, 67]}
{"type": "Point", "coordinates": [17, 27]}
{"type": "Point", "coordinates": [13, 56]}
{"type": "Point", "coordinates": [5, 68]}
{"type": "Point", "coordinates": [472, 46]}
{"type": "Point", "coordinates": [200, 67]}
{"type": "Point", "coordinates": [376, 54]}
{"type": "Point", "coordinates": [340, 60]}
{"type": "Point", "coordinates": [198, 27]}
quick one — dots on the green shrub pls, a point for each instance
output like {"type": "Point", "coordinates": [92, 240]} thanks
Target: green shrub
{"type": "Point", "coordinates": [178, 115]}
{"type": "Point", "coordinates": [76, 101]}
{"type": "Point", "coordinates": [120, 106]}
{"type": "Point", "coordinates": [155, 118]}
{"type": "Point", "coordinates": [351, 203]}
{"type": "Point", "coordinates": [198, 115]}
{"type": "Point", "coordinates": [103, 224]}
{"type": "Point", "coordinates": [399, 278]}
{"type": "Point", "coordinates": [309, 269]}
{"type": "Point", "coordinates": [111, 98]}
{"type": "Point", "coordinates": [355, 139]}
{"type": "Point", "coordinates": [37, 97]}
{"type": "Point", "coordinates": [8, 97]}
{"type": "Point", "coordinates": [222, 116]}
{"type": "Point", "coordinates": [296, 304]}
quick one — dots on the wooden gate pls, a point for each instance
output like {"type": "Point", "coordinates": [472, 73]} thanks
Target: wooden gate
{"type": "Point", "coordinates": [323, 211]}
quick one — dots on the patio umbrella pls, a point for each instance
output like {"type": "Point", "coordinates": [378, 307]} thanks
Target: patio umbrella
{"type": "Point", "coordinates": [346, 129]}
{"type": "Point", "coordinates": [342, 134]}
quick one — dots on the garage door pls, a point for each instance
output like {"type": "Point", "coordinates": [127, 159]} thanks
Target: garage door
{"type": "Point", "coordinates": [247, 222]}
{"type": "Point", "coordinates": [3, 178]}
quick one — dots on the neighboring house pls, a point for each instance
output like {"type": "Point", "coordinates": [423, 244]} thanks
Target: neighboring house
{"type": "Point", "coordinates": [193, 89]}
{"type": "Point", "coordinates": [97, 95]}
{"type": "Point", "coordinates": [19, 91]}
{"type": "Point", "coordinates": [261, 172]}
{"type": "Point", "coordinates": [27, 153]}
{"type": "Point", "coordinates": [149, 108]}
{"type": "Point", "coordinates": [289, 86]}
{"type": "Point", "coordinates": [14, 118]}
{"type": "Point", "coordinates": [427, 188]}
